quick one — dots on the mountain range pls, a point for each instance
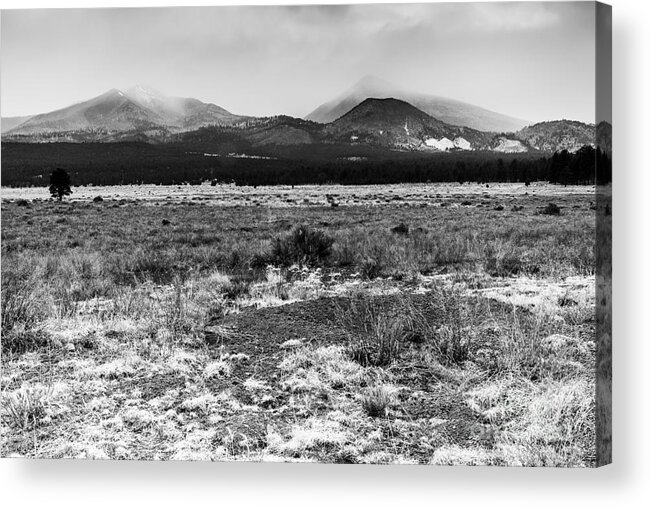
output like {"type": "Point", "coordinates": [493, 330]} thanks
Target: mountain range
{"type": "Point", "coordinates": [116, 114]}
{"type": "Point", "coordinates": [373, 113]}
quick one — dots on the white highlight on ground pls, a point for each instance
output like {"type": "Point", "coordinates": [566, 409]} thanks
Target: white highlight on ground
{"type": "Point", "coordinates": [510, 146]}
{"type": "Point", "coordinates": [462, 143]}
{"type": "Point", "coordinates": [443, 144]}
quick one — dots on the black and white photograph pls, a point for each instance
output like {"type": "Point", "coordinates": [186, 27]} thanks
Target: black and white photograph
{"type": "Point", "coordinates": [338, 234]}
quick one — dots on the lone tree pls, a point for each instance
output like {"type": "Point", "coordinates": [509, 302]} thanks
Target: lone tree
{"type": "Point", "coordinates": [60, 183]}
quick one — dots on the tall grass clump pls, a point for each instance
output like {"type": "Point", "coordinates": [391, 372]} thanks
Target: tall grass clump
{"type": "Point", "coordinates": [26, 407]}
{"type": "Point", "coordinates": [376, 334]}
{"type": "Point", "coordinates": [21, 314]}
{"type": "Point", "coordinates": [502, 259]}
{"type": "Point", "coordinates": [18, 306]}
{"type": "Point", "coordinates": [303, 245]}
{"type": "Point", "coordinates": [376, 400]}
{"type": "Point", "coordinates": [446, 323]}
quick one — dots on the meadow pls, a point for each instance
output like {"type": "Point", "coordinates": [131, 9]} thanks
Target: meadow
{"type": "Point", "coordinates": [428, 323]}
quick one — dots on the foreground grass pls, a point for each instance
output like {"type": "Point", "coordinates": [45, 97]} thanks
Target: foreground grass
{"type": "Point", "coordinates": [125, 338]}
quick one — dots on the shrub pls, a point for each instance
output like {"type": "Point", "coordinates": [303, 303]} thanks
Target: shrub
{"type": "Point", "coordinates": [302, 245]}
{"type": "Point", "coordinates": [401, 228]}
{"type": "Point", "coordinates": [550, 209]}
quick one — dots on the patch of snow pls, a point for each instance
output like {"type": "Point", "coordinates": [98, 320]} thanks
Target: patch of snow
{"type": "Point", "coordinates": [244, 155]}
{"type": "Point", "coordinates": [462, 143]}
{"type": "Point", "coordinates": [232, 155]}
{"type": "Point", "coordinates": [443, 144]}
{"type": "Point", "coordinates": [406, 128]}
{"type": "Point", "coordinates": [144, 94]}
{"type": "Point", "coordinates": [542, 296]}
{"type": "Point", "coordinates": [510, 146]}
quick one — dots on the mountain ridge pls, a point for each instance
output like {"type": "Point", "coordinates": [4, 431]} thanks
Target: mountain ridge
{"type": "Point", "coordinates": [145, 115]}
{"type": "Point", "coordinates": [558, 135]}
{"type": "Point", "coordinates": [9, 122]}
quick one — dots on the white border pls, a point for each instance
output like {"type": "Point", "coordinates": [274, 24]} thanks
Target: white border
{"type": "Point", "coordinates": [626, 482]}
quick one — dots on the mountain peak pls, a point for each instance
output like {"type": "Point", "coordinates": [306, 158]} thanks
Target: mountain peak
{"type": "Point", "coordinates": [395, 123]}
{"type": "Point", "coordinates": [111, 93]}
{"type": "Point", "coordinates": [449, 111]}
{"type": "Point", "coordinates": [385, 109]}
{"type": "Point", "coordinates": [144, 94]}
{"type": "Point", "coordinates": [383, 101]}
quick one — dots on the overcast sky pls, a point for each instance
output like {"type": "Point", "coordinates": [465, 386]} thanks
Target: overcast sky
{"type": "Point", "coordinates": [530, 60]}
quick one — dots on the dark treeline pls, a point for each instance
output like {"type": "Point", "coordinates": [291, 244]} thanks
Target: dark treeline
{"type": "Point", "coordinates": [581, 167]}
{"type": "Point", "coordinates": [136, 163]}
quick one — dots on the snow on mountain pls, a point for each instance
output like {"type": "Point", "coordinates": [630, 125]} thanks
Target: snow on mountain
{"type": "Point", "coordinates": [462, 143]}
{"type": "Point", "coordinates": [144, 114]}
{"type": "Point", "coordinates": [443, 144]}
{"type": "Point", "coordinates": [139, 109]}
{"type": "Point", "coordinates": [510, 146]}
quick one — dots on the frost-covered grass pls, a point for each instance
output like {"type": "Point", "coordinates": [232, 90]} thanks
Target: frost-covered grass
{"type": "Point", "coordinates": [103, 318]}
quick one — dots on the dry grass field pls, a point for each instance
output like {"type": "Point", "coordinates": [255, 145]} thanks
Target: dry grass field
{"type": "Point", "coordinates": [432, 324]}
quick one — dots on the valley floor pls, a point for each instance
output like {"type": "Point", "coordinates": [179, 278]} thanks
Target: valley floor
{"type": "Point", "coordinates": [304, 195]}
{"type": "Point", "coordinates": [432, 324]}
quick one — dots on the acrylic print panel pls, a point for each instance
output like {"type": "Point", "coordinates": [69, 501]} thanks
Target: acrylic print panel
{"type": "Point", "coordinates": [336, 234]}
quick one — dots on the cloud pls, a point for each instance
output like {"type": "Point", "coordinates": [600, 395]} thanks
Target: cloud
{"type": "Point", "coordinates": [267, 60]}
